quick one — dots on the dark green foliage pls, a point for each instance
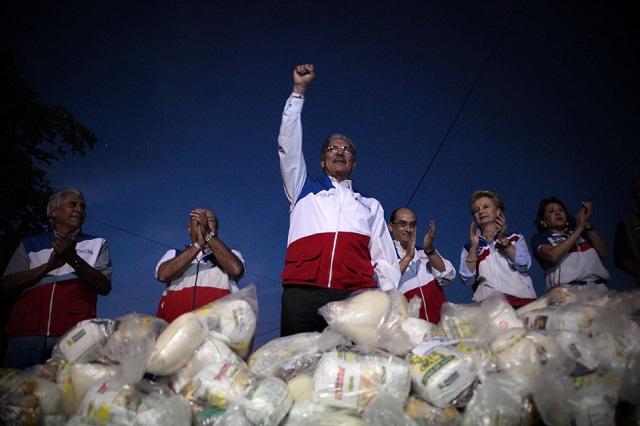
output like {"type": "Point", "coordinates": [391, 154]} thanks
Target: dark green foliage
{"type": "Point", "coordinates": [34, 135]}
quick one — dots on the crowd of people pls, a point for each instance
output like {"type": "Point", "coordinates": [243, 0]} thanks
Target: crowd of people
{"type": "Point", "coordinates": [339, 241]}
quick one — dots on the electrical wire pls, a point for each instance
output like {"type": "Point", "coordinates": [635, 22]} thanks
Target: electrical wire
{"type": "Point", "coordinates": [464, 103]}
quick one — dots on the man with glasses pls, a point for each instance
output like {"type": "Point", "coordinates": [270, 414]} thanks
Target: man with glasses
{"type": "Point", "coordinates": [424, 271]}
{"type": "Point", "coordinates": [204, 271]}
{"type": "Point", "coordinates": [338, 241]}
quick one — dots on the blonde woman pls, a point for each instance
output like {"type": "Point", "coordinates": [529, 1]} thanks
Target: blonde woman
{"type": "Point", "coordinates": [495, 259]}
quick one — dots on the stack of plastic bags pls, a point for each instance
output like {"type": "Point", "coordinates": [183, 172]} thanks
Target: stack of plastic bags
{"type": "Point", "coordinates": [571, 357]}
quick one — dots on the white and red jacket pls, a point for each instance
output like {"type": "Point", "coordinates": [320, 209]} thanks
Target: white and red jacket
{"type": "Point", "coordinates": [582, 265]}
{"type": "Point", "coordinates": [202, 283]}
{"type": "Point", "coordinates": [495, 272]}
{"type": "Point", "coordinates": [61, 299]}
{"type": "Point", "coordinates": [337, 237]}
{"type": "Point", "coordinates": [423, 280]}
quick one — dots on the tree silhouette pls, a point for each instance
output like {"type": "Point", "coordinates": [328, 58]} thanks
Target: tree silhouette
{"type": "Point", "coordinates": [34, 136]}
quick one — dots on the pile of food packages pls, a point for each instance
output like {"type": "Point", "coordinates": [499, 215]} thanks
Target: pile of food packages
{"type": "Point", "coordinates": [572, 357]}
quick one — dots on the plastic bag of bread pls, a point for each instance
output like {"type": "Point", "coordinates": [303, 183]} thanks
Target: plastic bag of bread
{"type": "Point", "coordinates": [393, 335]}
{"type": "Point", "coordinates": [29, 400]}
{"type": "Point", "coordinates": [306, 413]}
{"type": "Point", "coordinates": [75, 380]}
{"type": "Point", "coordinates": [347, 379]}
{"type": "Point", "coordinates": [176, 344]}
{"type": "Point", "coordinates": [269, 358]}
{"type": "Point", "coordinates": [417, 330]}
{"type": "Point", "coordinates": [145, 403]}
{"type": "Point", "coordinates": [220, 383]}
{"type": "Point", "coordinates": [439, 372]}
{"type": "Point", "coordinates": [84, 342]}
{"type": "Point", "coordinates": [573, 317]}
{"type": "Point", "coordinates": [234, 317]}
{"type": "Point", "coordinates": [371, 318]}
{"type": "Point", "coordinates": [579, 349]}
{"type": "Point", "coordinates": [521, 354]}
{"type": "Point", "coordinates": [131, 343]}
{"type": "Point", "coordinates": [211, 352]}
{"type": "Point", "coordinates": [595, 294]}
{"type": "Point", "coordinates": [496, 401]}
{"type": "Point", "coordinates": [204, 415]}
{"type": "Point", "coordinates": [359, 317]}
{"type": "Point", "coordinates": [386, 410]}
{"type": "Point", "coordinates": [459, 321]}
{"type": "Point", "coordinates": [581, 401]}
{"type": "Point", "coordinates": [495, 316]}
{"type": "Point", "coordinates": [267, 401]}
{"type": "Point", "coordinates": [425, 414]}
{"type": "Point", "coordinates": [479, 355]}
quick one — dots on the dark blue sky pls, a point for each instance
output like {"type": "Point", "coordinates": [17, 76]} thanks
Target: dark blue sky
{"type": "Point", "coordinates": [186, 98]}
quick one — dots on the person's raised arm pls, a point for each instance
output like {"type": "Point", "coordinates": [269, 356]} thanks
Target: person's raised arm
{"type": "Point", "coordinates": [409, 252]}
{"type": "Point", "coordinates": [303, 75]}
{"type": "Point", "coordinates": [555, 253]}
{"type": "Point", "coordinates": [292, 165]}
{"type": "Point", "coordinates": [174, 268]}
{"type": "Point", "coordinates": [435, 260]}
{"type": "Point", "coordinates": [225, 258]}
{"type": "Point", "coordinates": [591, 234]}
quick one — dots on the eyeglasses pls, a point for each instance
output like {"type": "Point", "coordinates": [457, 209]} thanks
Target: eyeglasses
{"type": "Point", "coordinates": [337, 148]}
{"type": "Point", "coordinates": [403, 224]}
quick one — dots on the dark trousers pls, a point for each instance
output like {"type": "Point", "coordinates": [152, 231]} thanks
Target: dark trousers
{"type": "Point", "coordinates": [300, 304]}
{"type": "Point", "coordinates": [27, 351]}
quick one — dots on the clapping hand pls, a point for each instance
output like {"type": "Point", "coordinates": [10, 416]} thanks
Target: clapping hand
{"type": "Point", "coordinates": [474, 235]}
{"type": "Point", "coordinates": [501, 223]}
{"type": "Point", "coordinates": [429, 236]}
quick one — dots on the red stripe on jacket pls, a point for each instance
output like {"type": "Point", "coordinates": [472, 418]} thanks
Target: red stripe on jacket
{"type": "Point", "coordinates": [176, 303]}
{"type": "Point", "coordinates": [434, 298]}
{"type": "Point", "coordinates": [71, 302]}
{"type": "Point", "coordinates": [308, 261]}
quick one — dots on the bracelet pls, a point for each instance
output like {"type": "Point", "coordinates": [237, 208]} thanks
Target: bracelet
{"type": "Point", "coordinates": [430, 252]}
{"type": "Point", "coordinates": [196, 245]}
{"type": "Point", "coordinates": [209, 236]}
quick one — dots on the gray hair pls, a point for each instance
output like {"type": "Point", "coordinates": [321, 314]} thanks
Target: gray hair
{"type": "Point", "coordinates": [332, 138]}
{"type": "Point", "coordinates": [56, 199]}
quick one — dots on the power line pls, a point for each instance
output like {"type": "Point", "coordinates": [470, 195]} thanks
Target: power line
{"type": "Point", "coordinates": [126, 231]}
{"type": "Point", "coordinates": [464, 103]}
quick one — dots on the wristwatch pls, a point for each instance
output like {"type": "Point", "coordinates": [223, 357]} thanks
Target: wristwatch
{"type": "Point", "coordinates": [209, 236]}
{"type": "Point", "coordinates": [74, 261]}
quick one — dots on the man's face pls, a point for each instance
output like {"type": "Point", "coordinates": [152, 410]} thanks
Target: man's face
{"type": "Point", "coordinates": [403, 226]}
{"type": "Point", "coordinates": [70, 214]}
{"type": "Point", "coordinates": [337, 161]}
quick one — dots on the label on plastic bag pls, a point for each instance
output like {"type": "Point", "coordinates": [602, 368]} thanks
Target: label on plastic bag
{"type": "Point", "coordinates": [433, 344]}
